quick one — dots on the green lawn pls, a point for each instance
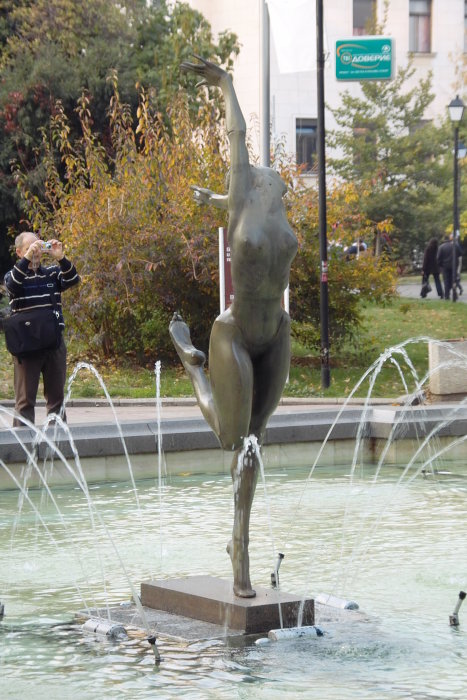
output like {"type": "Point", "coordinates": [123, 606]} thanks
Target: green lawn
{"type": "Point", "coordinates": [383, 328]}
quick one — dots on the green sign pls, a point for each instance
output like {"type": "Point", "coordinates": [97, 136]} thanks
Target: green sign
{"type": "Point", "coordinates": [364, 58]}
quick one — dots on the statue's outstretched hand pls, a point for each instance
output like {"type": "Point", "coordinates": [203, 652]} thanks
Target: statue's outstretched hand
{"type": "Point", "coordinates": [201, 194]}
{"type": "Point", "coordinates": [211, 74]}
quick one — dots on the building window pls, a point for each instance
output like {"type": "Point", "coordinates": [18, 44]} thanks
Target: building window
{"type": "Point", "coordinates": [420, 26]}
{"type": "Point", "coordinates": [363, 14]}
{"type": "Point", "coordinates": [306, 132]}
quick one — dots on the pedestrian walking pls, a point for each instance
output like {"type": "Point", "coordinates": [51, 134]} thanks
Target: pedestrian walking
{"type": "Point", "coordinates": [430, 267]}
{"type": "Point", "coordinates": [459, 266]}
{"type": "Point", "coordinates": [448, 260]}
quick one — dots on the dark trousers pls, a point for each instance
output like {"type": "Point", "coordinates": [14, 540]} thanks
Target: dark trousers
{"type": "Point", "coordinates": [52, 365]}
{"type": "Point", "coordinates": [447, 280]}
{"type": "Point", "coordinates": [439, 288]}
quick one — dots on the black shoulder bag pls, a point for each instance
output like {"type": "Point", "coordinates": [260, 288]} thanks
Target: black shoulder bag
{"type": "Point", "coordinates": [32, 331]}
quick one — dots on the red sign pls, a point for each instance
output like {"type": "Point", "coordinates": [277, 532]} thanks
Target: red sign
{"type": "Point", "coordinates": [228, 286]}
{"type": "Point", "coordinates": [226, 292]}
{"type": "Point", "coordinates": [324, 271]}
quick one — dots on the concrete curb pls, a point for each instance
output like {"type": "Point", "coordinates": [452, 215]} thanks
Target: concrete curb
{"type": "Point", "coordinates": [191, 401]}
{"type": "Point", "coordinates": [192, 434]}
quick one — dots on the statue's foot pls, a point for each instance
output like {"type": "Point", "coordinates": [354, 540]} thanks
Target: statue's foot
{"type": "Point", "coordinates": [242, 592]}
{"type": "Point", "coordinates": [180, 334]}
{"type": "Point", "coordinates": [242, 589]}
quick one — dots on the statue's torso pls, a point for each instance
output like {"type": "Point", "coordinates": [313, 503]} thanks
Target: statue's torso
{"type": "Point", "coordinates": [263, 246]}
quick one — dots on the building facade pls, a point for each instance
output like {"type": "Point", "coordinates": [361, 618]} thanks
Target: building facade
{"type": "Point", "coordinates": [430, 32]}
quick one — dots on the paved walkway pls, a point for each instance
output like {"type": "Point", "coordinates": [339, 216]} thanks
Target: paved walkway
{"type": "Point", "coordinates": [87, 412]}
{"type": "Point", "coordinates": [412, 291]}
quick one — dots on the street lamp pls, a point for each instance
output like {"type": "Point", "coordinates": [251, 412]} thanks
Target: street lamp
{"type": "Point", "coordinates": [456, 111]}
{"type": "Point", "coordinates": [323, 245]}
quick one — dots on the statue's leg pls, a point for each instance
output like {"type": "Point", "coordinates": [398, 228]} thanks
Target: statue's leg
{"type": "Point", "coordinates": [244, 470]}
{"type": "Point", "coordinates": [193, 361]}
{"type": "Point", "coordinates": [270, 372]}
{"type": "Point", "coordinates": [232, 384]}
{"type": "Point", "coordinates": [231, 373]}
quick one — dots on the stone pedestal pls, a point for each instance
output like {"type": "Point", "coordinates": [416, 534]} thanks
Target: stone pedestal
{"type": "Point", "coordinates": [448, 382]}
{"type": "Point", "coordinates": [212, 599]}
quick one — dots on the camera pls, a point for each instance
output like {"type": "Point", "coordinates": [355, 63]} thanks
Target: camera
{"type": "Point", "coordinates": [45, 245]}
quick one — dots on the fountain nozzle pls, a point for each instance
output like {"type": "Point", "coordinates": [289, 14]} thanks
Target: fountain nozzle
{"type": "Point", "coordinates": [275, 573]}
{"type": "Point", "coordinates": [2, 611]}
{"type": "Point", "coordinates": [152, 642]}
{"type": "Point", "coordinates": [454, 618]}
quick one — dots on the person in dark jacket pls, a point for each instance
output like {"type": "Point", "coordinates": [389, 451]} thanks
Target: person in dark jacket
{"type": "Point", "coordinates": [447, 263]}
{"type": "Point", "coordinates": [30, 285]}
{"type": "Point", "coordinates": [430, 267]}
{"type": "Point", "coordinates": [459, 266]}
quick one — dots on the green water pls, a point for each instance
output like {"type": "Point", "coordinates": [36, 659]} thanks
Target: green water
{"type": "Point", "coordinates": [400, 552]}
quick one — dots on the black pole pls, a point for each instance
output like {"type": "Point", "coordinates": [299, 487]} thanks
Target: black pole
{"type": "Point", "coordinates": [323, 246]}
{"type": "Point", "coordinates": [456, 214]}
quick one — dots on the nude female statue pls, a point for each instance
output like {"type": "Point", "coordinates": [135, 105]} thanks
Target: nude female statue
{"type": "Point", "coordinates": [249, 350]}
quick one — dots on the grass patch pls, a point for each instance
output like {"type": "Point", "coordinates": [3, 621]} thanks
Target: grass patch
{"type": "Point", "coordinates": [383, 327]}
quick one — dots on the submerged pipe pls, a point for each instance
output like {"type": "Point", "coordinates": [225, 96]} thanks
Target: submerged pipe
{"type": "Point", "coordinates": [454, 618]}
{"type": "Point", "coordinates": [295, 633]}
{"type": "Point", "coordinates": [290, 633]}
{"type": "Point", "coordinates": [105, 628]}
{"type": "Point", "coordinates": [275, 573]}
{"type": "Point", "coordinates": [152, 642]}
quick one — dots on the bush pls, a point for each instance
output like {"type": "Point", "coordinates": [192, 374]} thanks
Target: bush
{"type": "Point", "coordinates": [368, 278]}
{"type": "Point", "coordinates": [145, 249]}
{"type": "Point", "coordinates": [142, 246]}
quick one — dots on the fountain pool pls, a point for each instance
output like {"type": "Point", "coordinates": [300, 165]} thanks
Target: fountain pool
{"type": "Point", "coordinates": [399, 551]}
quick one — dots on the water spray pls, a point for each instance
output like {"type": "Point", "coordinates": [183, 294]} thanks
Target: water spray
{"type": "Point", "coordinates": [335, 602]}
{"type": "Point", "coordinates": [454, 618]}
{"type": "Point", "coordinates": [275, 573]}
{"type": "Point", "coordinates": [152, 642]}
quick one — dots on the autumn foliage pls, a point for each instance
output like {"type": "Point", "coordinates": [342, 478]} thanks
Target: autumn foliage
{"type": "Point", "coordinates": [351, 281]}
{"type": "Point", "coordinates": [123, 207]}
{"type": "Point", "coordinates": [143, 247]}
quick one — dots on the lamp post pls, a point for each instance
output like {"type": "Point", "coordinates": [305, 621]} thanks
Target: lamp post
{"type": "Point", "coordinates": [456, 111]}
{"type": "Point", "coordinates": [323, 245]}
{"type": "Point", "coordinates": [461, 153]}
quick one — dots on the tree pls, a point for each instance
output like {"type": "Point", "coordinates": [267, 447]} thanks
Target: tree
{"type": "Point", "coordinates": [53, 49]}
{"type": "Point", "coordinates": [385, 147]}
{"type": "Point", "coordinates": [351, 282]}
{"type": "Point", "coordinates": [145, 249]}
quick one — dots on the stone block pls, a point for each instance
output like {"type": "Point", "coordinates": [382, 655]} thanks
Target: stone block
{"type": "Point", "coordinates": [448, 380]}
{"type": "Point", "coordinates": [211, 599]}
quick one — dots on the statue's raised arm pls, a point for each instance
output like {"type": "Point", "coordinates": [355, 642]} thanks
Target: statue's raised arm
{"type": "Point", "coordinates": [240, 175]}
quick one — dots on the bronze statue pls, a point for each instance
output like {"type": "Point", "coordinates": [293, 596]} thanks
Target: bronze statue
{"type": "Point", "coordinates": [249, 350]}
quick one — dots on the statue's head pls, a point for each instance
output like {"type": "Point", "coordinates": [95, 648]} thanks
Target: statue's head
{"type": "Point", "coordinates": [269, 179]}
